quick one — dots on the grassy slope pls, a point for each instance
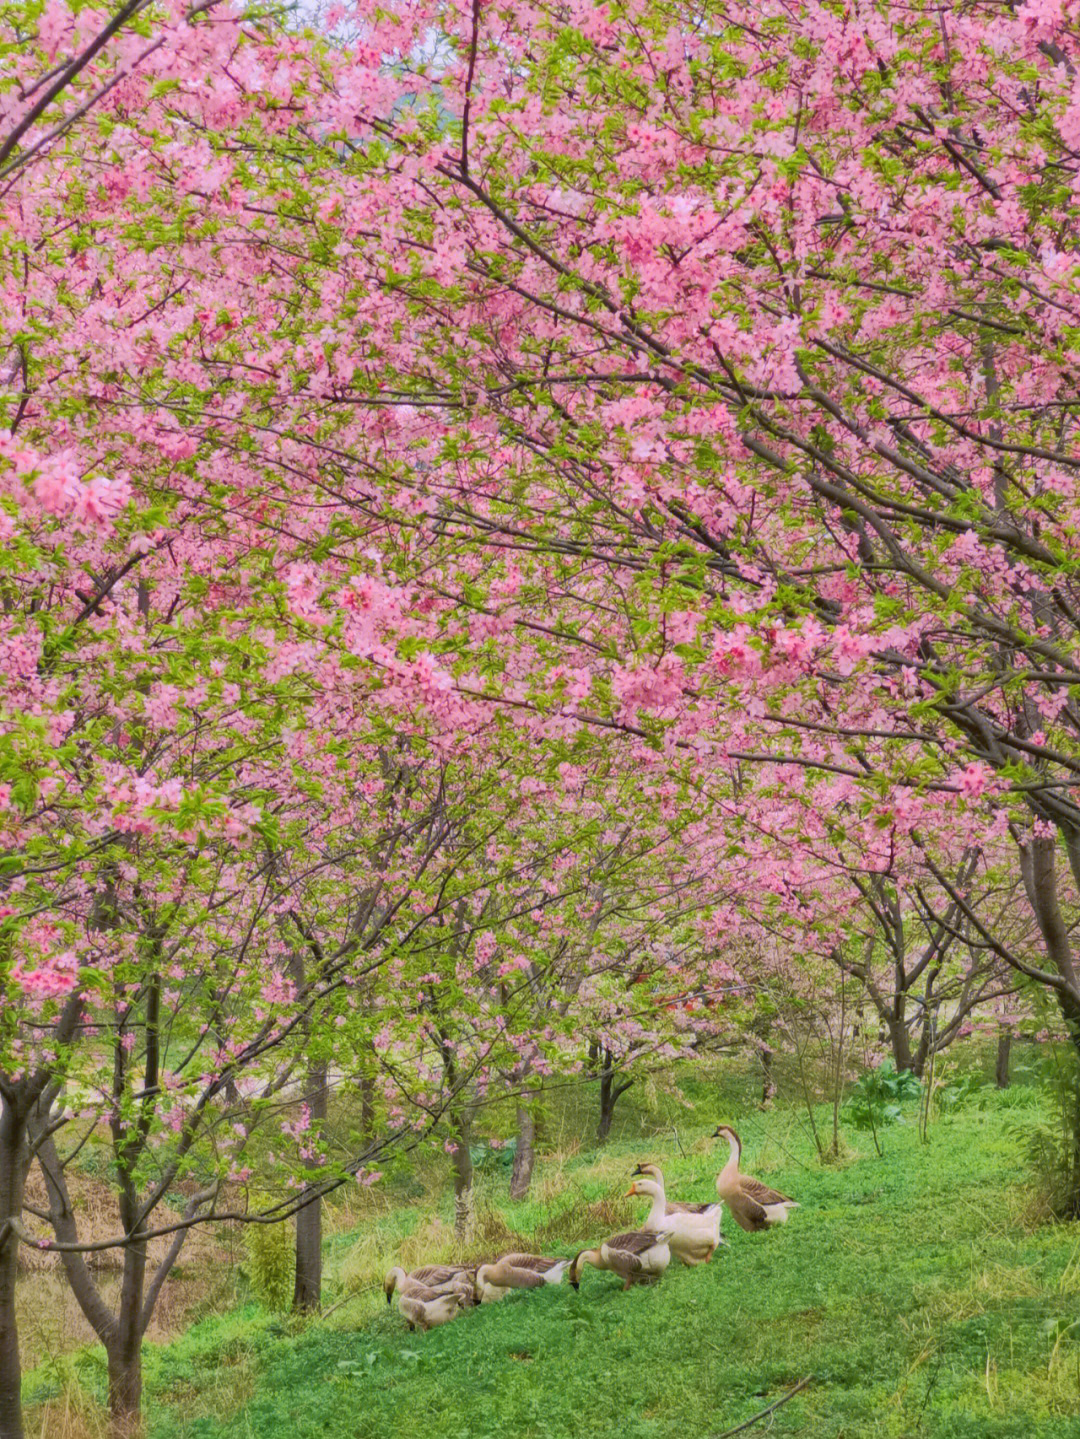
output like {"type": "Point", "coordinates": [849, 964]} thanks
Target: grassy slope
{"type": "Point", "coordinates": [909, 1287]}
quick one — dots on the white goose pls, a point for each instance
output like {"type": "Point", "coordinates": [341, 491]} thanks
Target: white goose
{"type": "Point", "coordinates": [695, 1228]}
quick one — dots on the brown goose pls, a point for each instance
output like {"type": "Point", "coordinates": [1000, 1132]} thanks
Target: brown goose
{"type": "Point", "coordinates": [639, 1256]}
{"type": "Point", "coordinates": [516, 1271]}
{"type": "Point", "coordinates": [695, 1228]}
{"type": "Point", "coordinates": [448, 1279]}
{"type": "Point", "coordinates": [753, 1205]}
{"type": "Point", "coordinates": [422, 1308]}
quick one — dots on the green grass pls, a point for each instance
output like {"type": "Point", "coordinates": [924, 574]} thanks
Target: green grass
{"type": "Point", "coordinates": [912, 1288]}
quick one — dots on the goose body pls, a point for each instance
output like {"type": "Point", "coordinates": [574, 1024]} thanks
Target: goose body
{"type": "Point", "coordinates": [638, 1257]}
{"type": "Point", "coordinates": [753, 1205]}
{"type": "Point", "coordinates": [448, 1279]}
{"type": "Point", "coordinates": [421, 1306]}
{"type": "Point", "coordinates": [695, 1228]}
{"type": "Point", "coordinates": [516, 1271]}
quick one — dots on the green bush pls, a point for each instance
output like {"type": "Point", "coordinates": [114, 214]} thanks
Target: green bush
{"type": "Point", "coordinates": [958, 1093]}
{"type": "Point", "coordinates": [487, 1158]}
{"type": "Point", "coordinates": [271, 1250]}
{"type": "Point", "coordinates": [877, 1097]}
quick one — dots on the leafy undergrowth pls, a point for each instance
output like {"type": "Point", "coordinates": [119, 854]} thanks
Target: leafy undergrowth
{"type": "Point", "coordinates": [915, 1289]}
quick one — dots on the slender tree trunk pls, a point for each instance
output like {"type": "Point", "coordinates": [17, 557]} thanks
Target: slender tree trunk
{"type": "Point", "coordinates": [123, 1348]}
{"type": "Point", "coordinates": [922, 1054]}
{"type": "Point", "coordinates": [123, 1335]}
{"type": "Point", "coordinates": [464, 1205]}
{"type": "Point", "coordinates": [1037, 868]}
{"type": "Point", "coordinates": [900, 1044]}
{"type": "Point", "coordinates": [1004, 1050]}
{"type": "Point", "coordinates": [307, 1291]}
{"type": "Point", "coordinates": [610, 1090]}
{"type": "Point", "coordinates": [307, 1288]}
{"type": "Point", "coordinates": [125, 1390]}
{"type": "Point", "coordinates": [768, 1080]}
{"type": "Point", "coordinates": [367, 1106]}
{"type": "Point", "coordinates": [525, 1154]}
{"type": "Point", "coordinates": [838, 1080]}
{"type": "Point", "coordinates": [14, 1157]}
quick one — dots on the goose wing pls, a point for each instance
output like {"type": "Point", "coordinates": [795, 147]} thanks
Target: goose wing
{"type": "Point", "coordinates": [436, 1275]}
{"type": "Point", "coordinates": [747, 1213]}
{"type": "Point", "coordinates": [755, 1190]}
{"type": "Point", "coordinates": [414, 1289]}
{"type": "Point", "coordinates": [625, 1252]}
{"type": "Point", "coordinates": [412, 1308]}
{"type": "Point", "coordinates": [536, 1263]}
{"type": "Point", "coordinates": [636, 1242]}
{"type": "Point", "coordinates": [673, 1208]}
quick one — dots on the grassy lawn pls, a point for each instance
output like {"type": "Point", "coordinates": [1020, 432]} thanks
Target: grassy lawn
{"type": "Point", "coordinates": [914, 1289]}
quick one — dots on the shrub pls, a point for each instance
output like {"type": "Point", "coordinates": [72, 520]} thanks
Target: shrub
{"type": "Point", "coordinates": [877, 1097]}
{"type": "Point", "coordinates": [271, 1250]}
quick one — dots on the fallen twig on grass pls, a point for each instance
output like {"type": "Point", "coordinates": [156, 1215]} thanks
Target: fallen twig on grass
{"type": "Point", "coordinates": [749, 1423]}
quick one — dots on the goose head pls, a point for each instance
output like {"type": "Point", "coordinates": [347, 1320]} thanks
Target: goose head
{"type": "Point", "coordinates": [391, 1282]}
{"type": "Point", "coordinates": [648, 1187]}
{"type": "Point", "coordinates": [583, 1257]}
{"type": "Point", "coordinates": [651, 1171]}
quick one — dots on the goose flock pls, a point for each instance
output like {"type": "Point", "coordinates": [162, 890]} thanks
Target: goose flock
{"type": "Point", "coordinates": [437, 1293]}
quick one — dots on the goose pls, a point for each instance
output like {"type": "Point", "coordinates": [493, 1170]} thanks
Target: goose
{"type": "Point", "coordinates": [753, 1205]}
{"type": "Point", "coordinates": [448, 1279]}
{"type": "Point", "coordinates": [695, 1228]}
{"type": "Point", "coordinates": [422, 1308]}
{"type": "Point", "coordinates": [516, 1271]}
{"type": "Point", "coordinates": [640, 1256]}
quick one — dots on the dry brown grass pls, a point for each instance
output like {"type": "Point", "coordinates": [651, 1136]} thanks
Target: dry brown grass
{"type": "Point", "coordinates": [51, 1323]}
{"type": "Point", "coordinates": [70, 1415]}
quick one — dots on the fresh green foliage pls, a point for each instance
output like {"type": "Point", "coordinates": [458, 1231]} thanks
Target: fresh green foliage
{"type": "Point", "coordinates": [271, 1251]}
{"type": "Point", "coordinates": [493, 1157]}
{"type": "Point", "coordinates": [960, 1092]}
{"type": "Point", "coordinates": [914, 1288]}
{"type": "Point", "coordinates": [878, 1097]}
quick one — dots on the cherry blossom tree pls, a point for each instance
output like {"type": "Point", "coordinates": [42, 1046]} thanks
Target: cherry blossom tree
{"type": "Point", "coordinates": [761, 373]}
{"type": "Point", "coordinates": [540, 385]}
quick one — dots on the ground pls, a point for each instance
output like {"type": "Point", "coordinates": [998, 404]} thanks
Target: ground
{"type": "Point", "coordinates": [921, 1291]}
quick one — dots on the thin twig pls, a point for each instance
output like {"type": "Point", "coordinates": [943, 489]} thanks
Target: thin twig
{"type": "Point", "coordinates": [749, 1423]}
{"type": "Point", "coordinates": [356, 1294]}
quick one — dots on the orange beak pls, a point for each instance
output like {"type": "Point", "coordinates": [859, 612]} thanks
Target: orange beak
{"type": "Point", "coordinates": [631, 1190]}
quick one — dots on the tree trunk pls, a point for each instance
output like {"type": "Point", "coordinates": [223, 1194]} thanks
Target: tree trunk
{"type": "Point", "coordinates": [1037, 869]}
{"type": "Point", "coordinates": [14, 1158]}
{"type": "Point", "coordinates": [1001, 1068]}
{"type": "Point", "coordinates": [524, 1155]}
{"type": "Point", "coordinates": [768, 1081]}
{"type": "Point", "coordinates": [610, 1090]}
{"type": "Point", "coordinates": [922, 1054]}
{"type": "Point", "coordinates": [125, 1381]}
{"type": "Point", "coordinates": [367, 1107]}
{"type": "Point", "coordinates": [464, 1208]}
{"type": "Point", "coordinates": [900, 1044]}
{"type": "Point", "coordinates": [307, 1290]}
